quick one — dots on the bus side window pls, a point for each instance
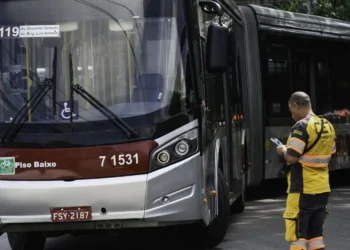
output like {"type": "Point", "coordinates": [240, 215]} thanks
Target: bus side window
{"type": "Point", "coordinates": [323, 88]}
{"type": "Point", "coordinates": [340, 78]}
{"type": "Point", "coordinates": [214, 93]}
{"type": "Point", "coordinates": [276, 81]}
{"type": "Point", "coordinates": [333, 80]}
{"type": "Point", "coordinates": [235, 76]}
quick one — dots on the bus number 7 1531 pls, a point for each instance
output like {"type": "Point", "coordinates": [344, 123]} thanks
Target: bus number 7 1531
{"type": "Point", "coordinates": [123, 159]}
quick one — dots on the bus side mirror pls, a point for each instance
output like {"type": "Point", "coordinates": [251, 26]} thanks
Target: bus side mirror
{"type": "Point", "coordinates": [211, 7]}
{"type": "Point", "coordinates": [217, 48]}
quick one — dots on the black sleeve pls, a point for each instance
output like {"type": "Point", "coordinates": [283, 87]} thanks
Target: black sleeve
{"type": "Point", "coordinates": [298, 140]}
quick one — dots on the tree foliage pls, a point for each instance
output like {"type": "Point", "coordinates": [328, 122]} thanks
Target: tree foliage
{"type": "Point", "coordinates": [339, 9]}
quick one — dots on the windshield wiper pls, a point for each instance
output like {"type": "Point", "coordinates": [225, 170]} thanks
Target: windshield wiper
{"type": "Point", "coordinates": [127, 129]}
{"type": "Point", "coordinates": [19, 120]}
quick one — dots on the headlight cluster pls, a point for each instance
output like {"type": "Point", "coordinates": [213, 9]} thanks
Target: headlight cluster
{"type": "Point", "coordinates": [176, 150]}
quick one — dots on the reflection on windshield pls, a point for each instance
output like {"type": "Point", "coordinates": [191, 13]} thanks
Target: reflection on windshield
{"type": "Point", "coordinates": [132, 63]}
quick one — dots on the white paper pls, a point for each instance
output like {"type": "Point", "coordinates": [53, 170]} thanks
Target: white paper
{"type": "Point", "coordinates": [40, 31]}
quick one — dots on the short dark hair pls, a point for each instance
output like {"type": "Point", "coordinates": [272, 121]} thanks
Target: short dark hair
{"type": "Point", "coordinates": [300, 98]}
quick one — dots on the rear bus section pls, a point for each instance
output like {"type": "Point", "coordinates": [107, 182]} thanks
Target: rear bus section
{"type": "Point", "coordinates": [288, 52]}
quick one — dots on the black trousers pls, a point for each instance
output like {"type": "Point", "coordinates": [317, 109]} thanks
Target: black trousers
{"type": "Point", "coordinates": [312, 215]}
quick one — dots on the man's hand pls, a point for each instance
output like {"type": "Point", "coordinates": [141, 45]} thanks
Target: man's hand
{"type": "Point", "coordinates": [280, 149]}
{"type": "Point", "coordinates": [288, 158]}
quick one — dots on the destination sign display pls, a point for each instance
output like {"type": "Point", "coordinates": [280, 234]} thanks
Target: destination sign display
{"type": "Point", "coordinates": [29, 31]}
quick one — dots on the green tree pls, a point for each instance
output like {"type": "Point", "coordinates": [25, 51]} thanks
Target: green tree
{"type": "Point", "coordinates": [298, 6]}
{"type": "Point", "coordinates": [339, 9]}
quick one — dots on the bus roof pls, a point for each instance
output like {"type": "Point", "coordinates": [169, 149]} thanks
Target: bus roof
{"type": "Point", "coordinates": [284, 22]}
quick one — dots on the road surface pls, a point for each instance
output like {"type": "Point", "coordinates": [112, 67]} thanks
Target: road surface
{"type": "Point", "coordinates": [259, 227]}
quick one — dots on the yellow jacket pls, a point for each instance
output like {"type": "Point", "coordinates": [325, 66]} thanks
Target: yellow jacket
{"type": "Point", "coordinates": [310, 174]}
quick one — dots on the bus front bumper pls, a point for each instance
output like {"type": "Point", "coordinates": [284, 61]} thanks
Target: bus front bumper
{"type": "Point", "coordinates": [168, 196]}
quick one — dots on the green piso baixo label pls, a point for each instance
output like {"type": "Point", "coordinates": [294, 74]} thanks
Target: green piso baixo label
{"type": "Point", "coordinates": [7, 165]}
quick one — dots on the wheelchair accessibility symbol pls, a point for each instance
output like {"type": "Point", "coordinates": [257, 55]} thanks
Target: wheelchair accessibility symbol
{"type": "Point", "coordinates": [65, 110]}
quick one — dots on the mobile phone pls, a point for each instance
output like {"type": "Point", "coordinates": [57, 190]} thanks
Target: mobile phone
{"type": "Point", "coordinates": [276, 141]}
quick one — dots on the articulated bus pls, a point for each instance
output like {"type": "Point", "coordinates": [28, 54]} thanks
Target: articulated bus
{"type": "Point", "coordinates": [128, 114]}
{"type": "Point", "coordinates": [286, 52]}
{"type": "Point", "coordinates": [119, 114]}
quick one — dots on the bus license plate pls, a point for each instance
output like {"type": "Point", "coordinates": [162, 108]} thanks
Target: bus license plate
{"type": "Point", "coordinates": [67, 214]}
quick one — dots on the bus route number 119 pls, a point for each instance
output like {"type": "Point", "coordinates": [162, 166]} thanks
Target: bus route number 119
{"type": "Point", "coordinates": [9, 32]}
{"type": "Point", "coordinates": [121, 160]}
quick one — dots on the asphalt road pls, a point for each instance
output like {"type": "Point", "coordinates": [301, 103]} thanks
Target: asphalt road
{"type": "Point", "coordinates": [259, 227]}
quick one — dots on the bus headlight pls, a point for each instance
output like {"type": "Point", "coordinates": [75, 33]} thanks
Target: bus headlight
{"type": "Point", "coordinates": [163, 157]}
{"type": "Point", "coordinates": [182, 148]}
{"type": "Point", "coordinates": [176, 150]}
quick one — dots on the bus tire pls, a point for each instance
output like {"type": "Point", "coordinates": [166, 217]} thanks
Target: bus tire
{"type": "Point", "coordinates": [26, 241]}
{"type": "Point", "coordinates": [213, 234]}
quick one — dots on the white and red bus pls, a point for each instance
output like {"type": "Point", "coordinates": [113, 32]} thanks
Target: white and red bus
{"type": "Point", "coordinates": [119, 114]}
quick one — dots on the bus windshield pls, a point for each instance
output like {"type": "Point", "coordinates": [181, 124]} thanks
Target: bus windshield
{"type": "Point", "coordinates": [126, 54]}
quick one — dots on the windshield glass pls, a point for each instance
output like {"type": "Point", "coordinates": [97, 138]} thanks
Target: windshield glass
{"type": "Point", "coordinates": [130, 55]}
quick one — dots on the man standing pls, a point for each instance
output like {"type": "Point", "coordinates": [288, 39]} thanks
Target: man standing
{"type": "Point", "coordinates": [309, 148]}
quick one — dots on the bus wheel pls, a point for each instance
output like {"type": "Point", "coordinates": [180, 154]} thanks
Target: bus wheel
{"type": "Point", "coordinates": [213, 234]}
{"type": "Point", "coordinates": [239, 204]}
{"type": "Point", "coordinates": [26, 241]}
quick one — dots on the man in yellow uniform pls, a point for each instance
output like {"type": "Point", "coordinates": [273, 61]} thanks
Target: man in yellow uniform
{"type": "Point", "coordinates": [309, 148]}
